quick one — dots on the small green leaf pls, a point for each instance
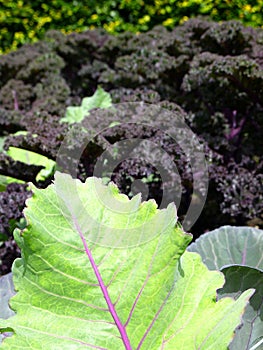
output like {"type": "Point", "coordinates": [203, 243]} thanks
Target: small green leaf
{"type": "Point", "coordinates": [100, 99]}
{"type": "Point", "coordinates": [33, 158]}
{"type": "Point", "coordinates": [74, 115]}
{"type": "Point", "coordinates": [24, 133]}
{"type": "Point", "coordinates": [112, 124]}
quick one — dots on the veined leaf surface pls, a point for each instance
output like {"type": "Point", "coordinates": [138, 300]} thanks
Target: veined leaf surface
{"type": "Point", "coordinates": [77, 292]}
{"type": "Point", "coordinates": [230, 245]}
{"type": "Point", "coordinates": [237, 252]}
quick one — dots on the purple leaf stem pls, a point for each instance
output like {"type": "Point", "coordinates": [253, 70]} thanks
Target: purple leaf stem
{"type": "Point", "coordinates": [103, 287]}
{"type": "Point", "coordinates": [16, 107]}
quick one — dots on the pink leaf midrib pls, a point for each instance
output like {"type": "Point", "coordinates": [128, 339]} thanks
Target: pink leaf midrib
{"type": "Point", "coordinates": [104, 290]}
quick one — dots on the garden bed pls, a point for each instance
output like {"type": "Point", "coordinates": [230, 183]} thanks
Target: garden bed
{"type": "Point", "coordinates": [205, 73]}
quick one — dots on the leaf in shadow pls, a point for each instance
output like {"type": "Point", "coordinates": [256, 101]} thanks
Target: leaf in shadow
{"type": "Point", "coordinates": [239, 279]}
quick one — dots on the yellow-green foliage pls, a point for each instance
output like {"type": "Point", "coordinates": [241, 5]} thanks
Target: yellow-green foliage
{"type": "Point", "coordinates": [26, 21]}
